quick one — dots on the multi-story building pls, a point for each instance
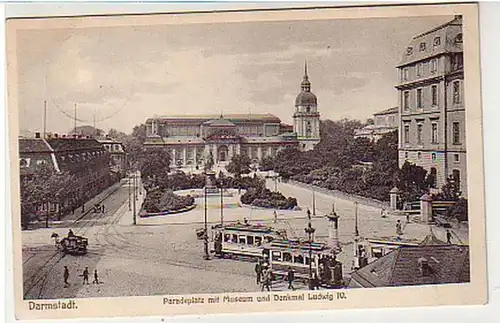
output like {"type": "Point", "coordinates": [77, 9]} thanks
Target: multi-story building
{"type": "Point", "coordinates": [117, 155]}
{"type": "Point", "coordinates": [84, 158]}
{"type": "Point", "coordinates": [383, 122]}
{"type": "Point", "coordinates": [431, 101]}
{"type": "Point", "coordinates": [191, 139]}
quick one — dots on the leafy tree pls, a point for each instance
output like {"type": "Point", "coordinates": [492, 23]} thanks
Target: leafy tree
{"type": "Point", "coordinates": [44, 185]}
{"type": "Point", "coordinates": [134, 143]}
{"type": "Point", "coordinates": [267, 163]}
{"type": "Point", "coordinates": [449, 191]}
{"type": "Point", "coordinates": [460, 210]}
{"type": "Point", "coordinates": [155, 165]}
{"type": "Point", "coordinates": [239, 164]}
{"type": "Point", "coordinates": [118, 135]}
{"type": "Point", "coordinates": [411, 180]}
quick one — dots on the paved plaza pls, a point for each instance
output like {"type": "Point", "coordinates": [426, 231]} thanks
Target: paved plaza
{"type": "Point", "coordinates": [162, 255]}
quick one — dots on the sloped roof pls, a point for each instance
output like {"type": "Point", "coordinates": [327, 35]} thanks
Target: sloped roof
{"type": "Point", "coordinates": [219, 123]}
{"type": "Point", "coordinates": [238, 118]}
{"type": "Point", "coordinates": [387, 111]}
{"type": "Point", "coordinates": [72, 144]}
{"type": "Point", "coordinates": [439, 40]}
{"type": "Point", "coordinates": [33, 145]}
{"type": "Point", "coordinates": [448, 263]}
{"type": "Point", "coordinates": [432, 240]}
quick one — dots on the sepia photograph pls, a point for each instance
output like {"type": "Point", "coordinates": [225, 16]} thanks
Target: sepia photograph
{"type": "Point", "coordinates": [246, 161]}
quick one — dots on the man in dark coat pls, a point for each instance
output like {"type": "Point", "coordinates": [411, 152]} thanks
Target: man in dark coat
{"type": "Point", "coordinates": [448, 236]}
{"type": "Point", "coordinates": [290, 276]}
{"type": "Point", "coordinates": [258, 271]}
{"type": "Point", "coordinates": [66, 276]}
{"type": "Point", "coordinates": [86, 275]}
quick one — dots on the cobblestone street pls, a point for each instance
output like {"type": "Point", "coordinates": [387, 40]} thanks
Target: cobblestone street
{"type": "Point", "coordinates": [162, 255]}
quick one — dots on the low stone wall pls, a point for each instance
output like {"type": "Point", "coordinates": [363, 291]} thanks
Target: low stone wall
{"type": "Point", "coordinates": [343, 195]}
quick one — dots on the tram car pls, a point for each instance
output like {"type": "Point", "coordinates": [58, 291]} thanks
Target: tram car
{"type": "Point", "coordinates": [243, 241]}
{"type": "Point", "coordinates": [281, 255]}
{"type": "Point", "coordinates": [75, 245]}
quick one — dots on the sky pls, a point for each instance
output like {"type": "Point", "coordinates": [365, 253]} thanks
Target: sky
{"type": "Point", "coordinates": [120, 76]}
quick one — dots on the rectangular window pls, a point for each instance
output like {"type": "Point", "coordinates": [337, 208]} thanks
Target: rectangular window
{"type": "Point", "coordinates": [406, 134]}
{"type": "Point", "coordinates": [406, 100]}
{"type": "Point", "coordinates": [456, 158]}
{"type": "Point", "coordinates": [420, 103]}
{"type": "Point", "coordinates": [457, 61]}
{"type": "Point", "coordinates": [433, 155]}
{"type": "Point", "coordinates": [456, 92]}
{"type": "Point", "coordinates": [419, 155]}
{"type": "Point", "coordinates": [405, 74]}
{"type": "Point", "coordinates": [434, 94]}
{"type": "Point", "coordinates": [434, 133]}
{"type": "Point", "coordinates": [406, 155]}
{"type": "Point", "coordinates": [419, 133]}
{"type": "Point", "coordinates": [419, 69]}
{"type": "Point", "coordinates": [434, 65]}
{"type": "Point", "coordinates": [456, 133]}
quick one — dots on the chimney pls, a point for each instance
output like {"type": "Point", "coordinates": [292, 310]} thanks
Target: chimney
{"type": "Point", "coordinates": [423, 264]}
{"type": "Point", "coordinates": [37, 135]}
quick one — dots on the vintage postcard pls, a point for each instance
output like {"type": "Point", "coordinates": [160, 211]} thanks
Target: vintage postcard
{"type": "Point", "coordinates": [256, 161]}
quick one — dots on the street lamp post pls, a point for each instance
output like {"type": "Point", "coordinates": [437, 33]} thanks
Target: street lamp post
{"type": "Point", "coordinates": [310, 231]}
{"type": "Point", "coordinates": [129, 193]}
{"type": "Point", "coordinates": [314, 201]}
{"type": "Point", "coordinates": [221, 203]}
{"type": "Point", "coordinates": [206, 256]}
{"type": "Point", "coordinates": [133, 197]}
{"type": "Point", "coordinates": [356, 230]}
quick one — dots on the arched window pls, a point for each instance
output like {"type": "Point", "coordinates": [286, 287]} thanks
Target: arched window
{"type": "Point", "coordinates": [308, 109]}
{"type": "Point", "coordinates": [433, 176]}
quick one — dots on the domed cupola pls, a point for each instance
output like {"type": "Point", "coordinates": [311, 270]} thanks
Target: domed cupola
{"type": "Point", "coordinates": [306, 97]}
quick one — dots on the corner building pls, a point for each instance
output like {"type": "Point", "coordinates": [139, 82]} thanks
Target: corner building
{"type": "Point", "coordinates": [431, 100]}
{"type": "Point", "coordinates": [191, 139]}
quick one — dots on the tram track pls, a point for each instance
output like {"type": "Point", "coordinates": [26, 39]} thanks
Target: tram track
{"type": "Point", "coordinates": [39, 278]}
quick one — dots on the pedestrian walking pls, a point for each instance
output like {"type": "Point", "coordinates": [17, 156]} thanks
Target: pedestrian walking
{"type": "Point", "coordinates": [399, 229]}
{"type": "Point", "coordinates": [70, 233]}
{"type": "Point", "coordinates": [258, 271]}
{"type": "Point", "coordinates": [407, 217]}
{"type": "Point", "coordinates": [86, 275]}
{"type": "Point", "coordinates": [448, 236]}
{"type": "Point", "coordinates": [382, 214]}
{"type": "Point", "coordinates": [96, 278]}
{"type": "Point", "coordinates": [290, 277]}
{"type": "Point", "coordinates": [66, 276]}
{"type": "Point", "coordinates": [275, 216]}
{"type": "Point", "coordinates": [102, 208]}
{"type": "Point", "coordinates": [266, 281]}
{"type": "Point", "coordinates": [315, 281]}
{"type": "Point", "coordinates": [308, 213]}
{"type": "Point", "coordinates": [245, 220]}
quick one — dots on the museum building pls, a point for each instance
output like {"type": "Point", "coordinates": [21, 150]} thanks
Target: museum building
{"type": "Point", "coordinates": [191, 139]}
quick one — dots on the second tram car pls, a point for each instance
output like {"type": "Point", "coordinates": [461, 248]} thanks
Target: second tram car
{"type": "Point", "coordinates": [282, 255]}
{"type": "Point", "coordinates": [243, 240]}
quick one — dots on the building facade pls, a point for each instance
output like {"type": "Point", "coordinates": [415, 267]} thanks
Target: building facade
{"type": "Point", "coordinates": [117, 155]}
{"type": "Point", "coordinates": [192, 139]}
{"type": "Point", "coordinates": [431, 101]}
{"type": "Point", "coordinates": [383, 122]}
{"type": "Point", "coordinates": [84, 158]}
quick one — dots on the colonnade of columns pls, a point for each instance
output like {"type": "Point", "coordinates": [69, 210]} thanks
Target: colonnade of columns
{"type": "Point", "coordinates": [196, 154]}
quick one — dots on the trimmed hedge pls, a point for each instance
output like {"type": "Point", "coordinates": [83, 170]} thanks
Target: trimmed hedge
{"type": "Point", "coordinates": [162, 201]}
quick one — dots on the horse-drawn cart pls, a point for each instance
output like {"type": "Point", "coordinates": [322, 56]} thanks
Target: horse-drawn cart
{"type": "Point", "coordinates": [75, 245]}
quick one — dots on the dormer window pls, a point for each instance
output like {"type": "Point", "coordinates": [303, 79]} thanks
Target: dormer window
{"type": "Point", "coordinates": [437, 41]}
{"type": "Point", "coordinates": [409, 51]}
{"type": "Point", "coordinates": [459, 38]}
{"type": "Point", "coordinates": [422, 47]}
{"type": "Point", "coordinates": [424, 267]}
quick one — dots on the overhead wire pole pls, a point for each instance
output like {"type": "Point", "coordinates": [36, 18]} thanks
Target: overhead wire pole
{"type": "Point", "coordinates": [133, 196]}
{"type": "Point", "coordinates": [44, 118]}
{"type": "Point", "coordinates": [74, 128]}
